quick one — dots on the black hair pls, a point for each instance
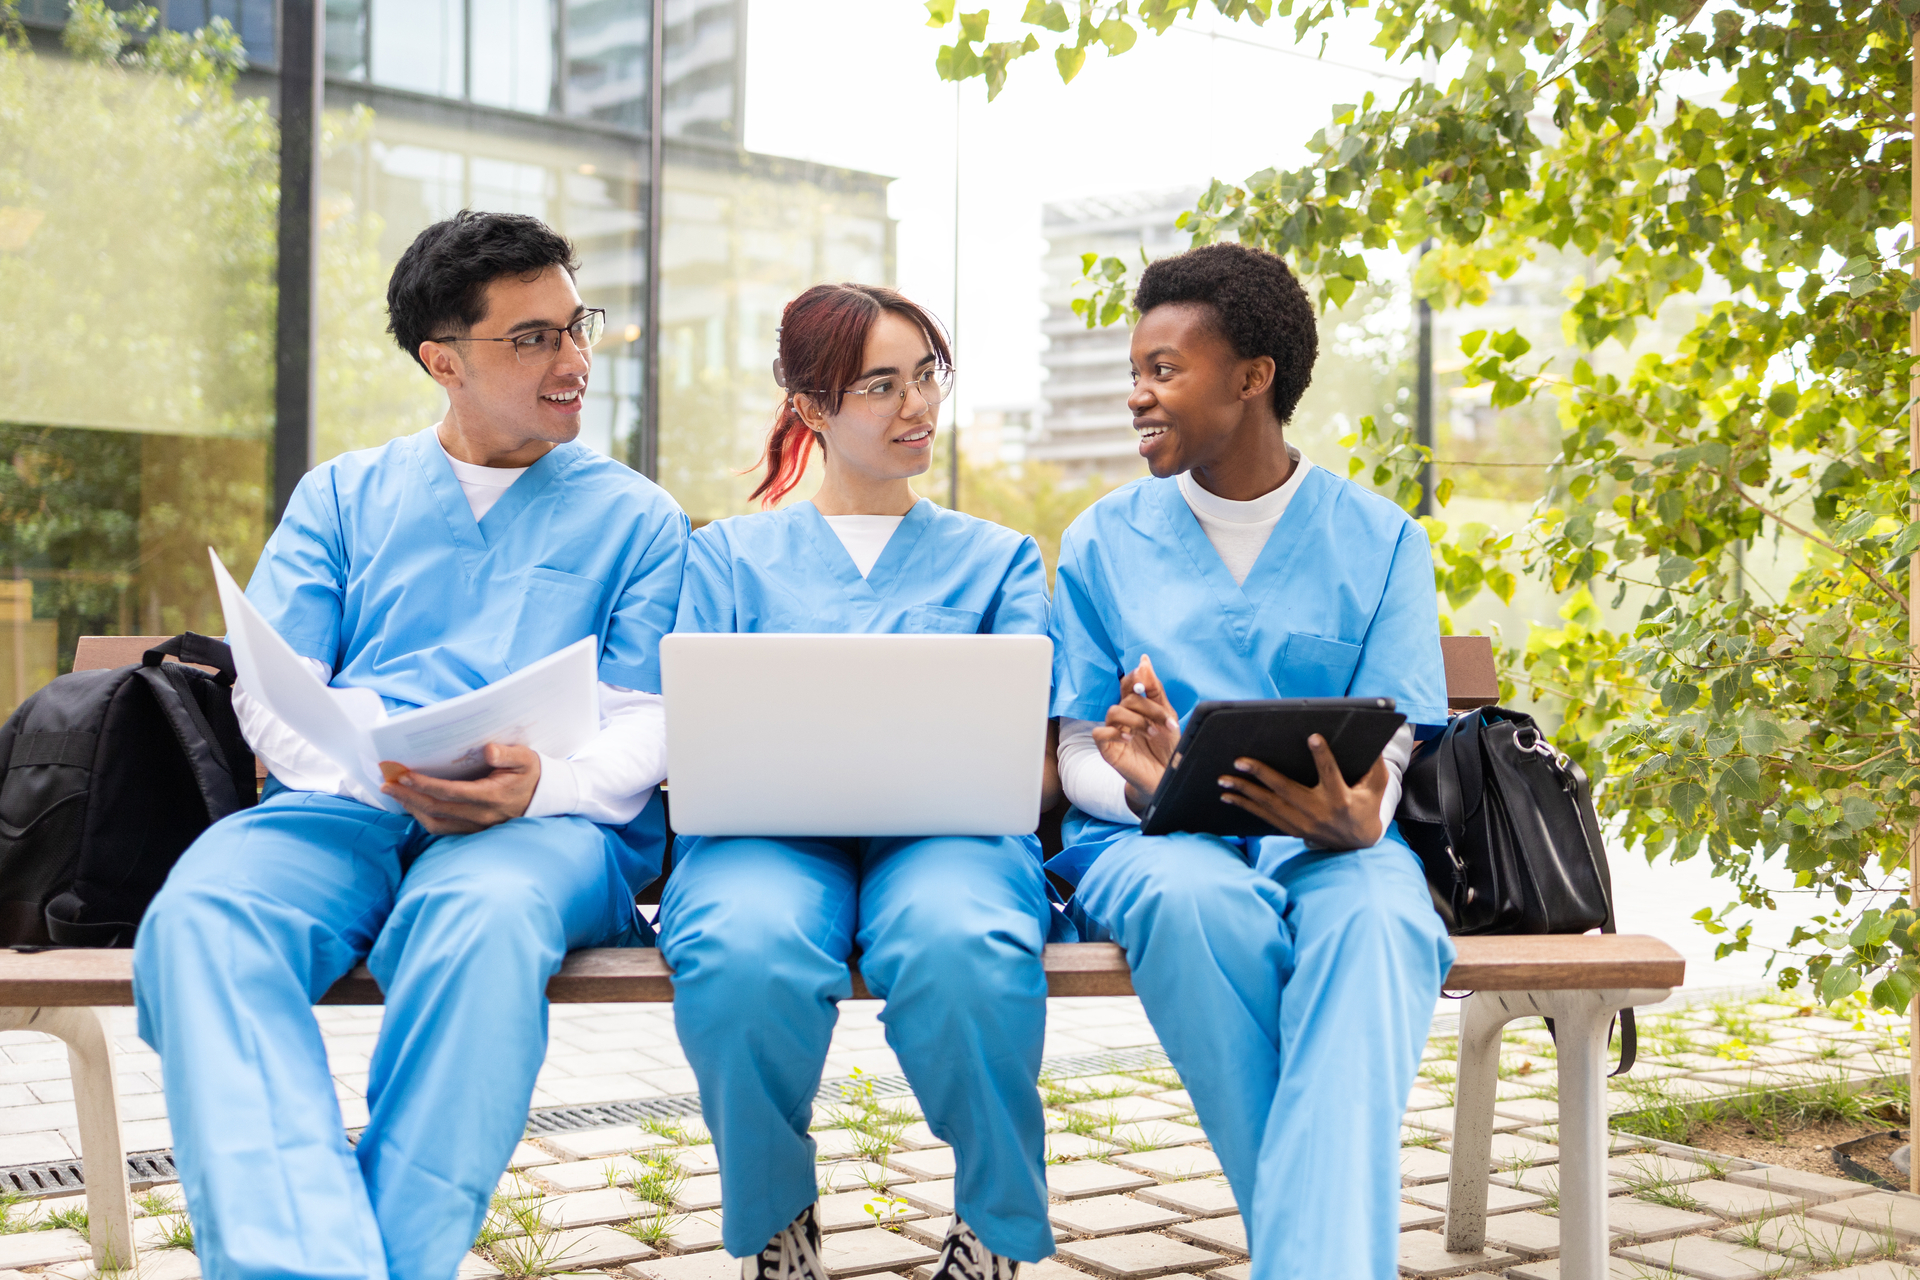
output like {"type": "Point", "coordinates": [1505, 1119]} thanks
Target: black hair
{"type": "Point", "coordinates": [1258, 306]}
{"type": "Point", "coordinates": [440, 283]}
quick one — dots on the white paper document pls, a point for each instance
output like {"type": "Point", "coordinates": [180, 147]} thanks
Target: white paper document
{"type": "Point", "coordinates": [551, 705]}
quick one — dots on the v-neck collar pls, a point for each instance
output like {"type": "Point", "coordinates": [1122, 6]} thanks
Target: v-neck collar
{"type": "Point", "coordinates": [474, 539]}
{"type": "Point", "coordinates": [1271, 568]}
{"type": "Point", "coordinates": [879, 579]}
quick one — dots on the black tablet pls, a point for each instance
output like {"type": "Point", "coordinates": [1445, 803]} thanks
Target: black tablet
{"type": "Point", "coordinates": [1274, 732]}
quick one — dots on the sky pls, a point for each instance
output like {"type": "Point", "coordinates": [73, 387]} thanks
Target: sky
{"type": "Point", "coordinates": [852, 83]}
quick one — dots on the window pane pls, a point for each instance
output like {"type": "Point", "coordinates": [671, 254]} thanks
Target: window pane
{"type": "Point", "coordinates": [392, 175]}
{"type": "Point", "coordinates": [420, 45]}
{"type": "Point", "coordinates": [741, 238]}
{"type": "Point", "coordinates": [607, 60]}
{"type": "Point", "coordinates": [347, 39]}
{"type": "Point", "coordinates": [136, 403]}
{"type": "Point", "coordinates": [704, 60]}
{"type": "Point", "coordinates": [513, 54]}
{"type": "Point", "coordinates": [253, 20]}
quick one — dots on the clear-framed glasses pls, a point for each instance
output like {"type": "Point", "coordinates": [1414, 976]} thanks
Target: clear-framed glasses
{"type": "Point", "coordinates": [886, 395]}
{"type": "Point", "coordinates": [540, 346]}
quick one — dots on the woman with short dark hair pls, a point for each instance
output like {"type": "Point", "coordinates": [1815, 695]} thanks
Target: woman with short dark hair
{"type": "Point", "coordinates": [950, 929]}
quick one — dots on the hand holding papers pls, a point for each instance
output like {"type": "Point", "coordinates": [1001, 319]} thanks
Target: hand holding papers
{"type": "Point", "coordinates": [551, 706]}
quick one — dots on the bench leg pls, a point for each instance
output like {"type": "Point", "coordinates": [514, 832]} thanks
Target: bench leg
{"type": "Point", "coordinates": [90, 1055]}
{"type": "Point", "coordinates": [1581, 1022]}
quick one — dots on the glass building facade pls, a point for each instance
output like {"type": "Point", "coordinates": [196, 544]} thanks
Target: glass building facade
{"type": "Point", "coordinates": [137, 423]}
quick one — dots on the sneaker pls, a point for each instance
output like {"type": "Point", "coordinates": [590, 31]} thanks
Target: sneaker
{"type": "Point", "coordinates": [964, 1257]}
{"type": "Point", "coordinates": [794, 1254]}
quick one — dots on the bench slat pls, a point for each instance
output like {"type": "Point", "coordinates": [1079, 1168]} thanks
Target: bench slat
{"type": "Point", "coordinates": [639, 975]}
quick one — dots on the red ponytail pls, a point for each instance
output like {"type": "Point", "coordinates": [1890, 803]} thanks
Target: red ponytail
{"type": "Point", "coordinates": [823, 339]}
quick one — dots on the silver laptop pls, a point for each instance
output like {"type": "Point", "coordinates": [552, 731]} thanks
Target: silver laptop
{"type": "Point", "coordinates": [855, 735]}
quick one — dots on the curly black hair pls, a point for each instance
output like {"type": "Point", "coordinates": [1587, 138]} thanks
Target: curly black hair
{"type": "Point", "coordinates": [440, 282]}
{"type": "Point", "coordinates": [1257, 304]}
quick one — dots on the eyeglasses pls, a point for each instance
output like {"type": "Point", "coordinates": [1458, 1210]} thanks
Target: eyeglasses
{"type": "Point", "coordinates": [886, 395]}
{"type": "Point", "coordinates": [540, 346]}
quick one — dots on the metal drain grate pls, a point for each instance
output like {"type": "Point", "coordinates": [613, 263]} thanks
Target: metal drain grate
{"type": "Point", "coordinates": [64, 1177]}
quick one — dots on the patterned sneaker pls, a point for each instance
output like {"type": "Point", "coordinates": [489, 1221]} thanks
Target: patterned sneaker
{"type": "Point", "coordinates": [964, 1257]}
{"type": "Point", "coordinates": [794, 1254]}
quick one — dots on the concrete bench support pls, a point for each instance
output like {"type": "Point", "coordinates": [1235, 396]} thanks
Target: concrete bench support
{"type": "Point", "coordinates": [90, 1060]}
{"type": "Point", "coordinates": [1581, 1020]}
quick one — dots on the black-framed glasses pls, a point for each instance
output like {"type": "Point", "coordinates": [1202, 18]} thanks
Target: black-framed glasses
{"type": "Point", "coordinates": [541, 346]}
{"type": "Point", "coordinates": [886, 395]}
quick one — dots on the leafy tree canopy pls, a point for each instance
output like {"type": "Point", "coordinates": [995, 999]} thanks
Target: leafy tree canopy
{"type": "Point", "coordinates": [1745, 160]}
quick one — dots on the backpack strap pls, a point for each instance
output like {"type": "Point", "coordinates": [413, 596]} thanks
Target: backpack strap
{"type": "Point", "coordinates": [190, 646]}
{"type": "Point", "coordinates": [212, 775]}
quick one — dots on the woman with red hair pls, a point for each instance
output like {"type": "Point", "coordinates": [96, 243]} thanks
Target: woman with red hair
{"type": "Point", "coordinates": [950, 929]}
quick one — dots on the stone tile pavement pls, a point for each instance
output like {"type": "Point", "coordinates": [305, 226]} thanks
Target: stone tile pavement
{"type": "Point", "coordinates": [1137, 1191]}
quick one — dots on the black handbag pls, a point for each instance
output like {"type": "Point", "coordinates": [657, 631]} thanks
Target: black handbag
{"type": "Point", "coordinates": [1506, 829]}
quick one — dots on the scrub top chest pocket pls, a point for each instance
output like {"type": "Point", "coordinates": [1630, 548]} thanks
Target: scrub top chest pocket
{"type": "Point", "coordinates": [936, 619]}
{"type": "Point", "coordinates": [1314, 666]}
{"type": "Point", "coordinates": [555, 609]}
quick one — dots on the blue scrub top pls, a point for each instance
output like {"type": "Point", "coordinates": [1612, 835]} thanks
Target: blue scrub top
{"type": "Point", "coordinates": [1339, 603]}
{"type": "Point", "coordinates": [786, 571]}
{"type": "Point", "coordinates": [379, 570]}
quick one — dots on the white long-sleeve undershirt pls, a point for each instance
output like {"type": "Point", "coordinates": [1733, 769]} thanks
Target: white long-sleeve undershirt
{"type": "Point", "coordinates": [609, 780]}
{"type": "Point", "coordinates": [1238, 532]}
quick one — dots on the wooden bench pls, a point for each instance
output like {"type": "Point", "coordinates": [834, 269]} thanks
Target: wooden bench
{"type": "Point", "coordinates": [1579, 981]}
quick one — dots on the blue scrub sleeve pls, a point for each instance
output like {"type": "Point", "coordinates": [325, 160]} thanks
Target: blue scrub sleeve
{"type": "Point", "coordinates": [1020, 605]}
{"type": "Point", "coordinates": [1400, 656]}
{"type": "Point", "coordinates": [645, 611]}
{"type": "Point", "coordinates": [301, 578]}
{"type": "Point", "coordinates": [1086, 662]}
{"type": "Point", "coordinates": [706, 587]}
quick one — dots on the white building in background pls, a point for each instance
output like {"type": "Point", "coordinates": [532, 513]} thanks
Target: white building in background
{"type": "Point", "coordinates": [1084, 427]}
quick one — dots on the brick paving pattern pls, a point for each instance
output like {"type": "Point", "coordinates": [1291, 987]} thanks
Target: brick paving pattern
{"type": "Point", "coordinates": [1137, 1193]}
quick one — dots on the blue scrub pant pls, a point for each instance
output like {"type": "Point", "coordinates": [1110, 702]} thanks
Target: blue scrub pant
{"type": "Point", "coordinates": [1294, 999]}
{"type": "Point", "coordinates": [950, 931]}
{"type": "Point", "coordinates": [260, 916]}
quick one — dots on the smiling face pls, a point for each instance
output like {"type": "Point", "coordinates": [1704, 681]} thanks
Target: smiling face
{"type": "Point", "coordinates": [1196, 403]}
{"type": "Point", "coordinates": [499, 406]}
{"type": "Point", "coordinates": [869, 443]}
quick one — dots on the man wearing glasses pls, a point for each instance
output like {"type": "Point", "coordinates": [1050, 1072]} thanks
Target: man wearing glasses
{"type": "Point", "coordinates": [422, 569]}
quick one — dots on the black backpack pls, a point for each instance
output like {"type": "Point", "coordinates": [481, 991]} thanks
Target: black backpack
{"type": "Point", "coordinates": [108, 777]}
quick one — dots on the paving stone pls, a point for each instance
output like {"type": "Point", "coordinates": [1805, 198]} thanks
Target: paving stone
{"type": "Point", "coordinates": [596, 1144]}
{"type": "Point", "coordinates": [1126, 1110]}
{"type": "Point", "coordinates": [1423, 1164]}
{"type": "Point", "coordinates": [1877, 1211]}
{"type": "Point", "coordinates": [694, 1161]}
{"type": "Point", "coordinates": [528, 1156]}
{"type": "Point", "coordinates": [522, 1186]}
{"type": "Point", "coordinates": [1176, 1098]}
{"type": "Point", "coordinates": [1152, 1133]}
{"type": "Point", "coordinates": [931, 1232]}
{"type": "Point", "coordinates": [1078, 1178]}
{"type": "Point", "coordinates": [1645, 1167]}
{"type": "Point", "coordinates": [1507, 1149]}
{"type": "Point", "coordinates": [847, 1210]}
{"type": "Point", "coordinates": [1136, 1257]}
{"type": "Point", "coordinates": [692, 1232]}
{"type": "Point", "coordinates": [1533, 1235]}
{"type": "Point", "coordinates": [1815, 1188]}
{"type": "Point", "coordinates": [157, 1264]}
{"type": "Point", "coordinates": [1642, 1220]}
{"type": "Point", "coordinates": [1111, 1216]}
{"type": "Point", "coordinates": [1081, 1086]}
{"type": "Point", "coordinates": [1197, 1197]}
{"type": "Point", "coordinates": [1424, 1253]}
{"type": "Point", "coordinates": [1440, 1121]}
{"type": "Point", "coordinates": [1531, 1110]}
{"type": "Point", "coordinates": [149, 1232]}
{"type": "Point", "coordinates": [711, 1265]}
{"type": "Point", "coordinates": [1227, 1234]}
{"type": "Point", "coordinates": [835, 1144]}
{"type": "Point", "coordinates": [919, 1136]}
{"type": "Point", "coordinates": [1884, 1269]}
{"type": "Point", "coordinates": [1417, 1217]}
{"type": "Point", "coordinates": [861, 1253]}
{"type": "Point", "coordinates": [1617, 1269]}
{"type": "Point", "coordinates": [1709, 1259]}
{"type": "Point", "coordinates": [587, 1175]}
{"type": "Point", "coordinates": [698, 1193]}
{"type": "Point", "coordinates": [595, 1247]}
{"type": "Point", "coordinates": [1823, 1243]}
{"type": "Point", "coordinates": [934, 1197]}
{"type": "Point", "coordinates": [1618, 1144]}
{"type": "Point", "coordinates": [1499, 1199]}
{"type": "Point", "coordinates": [936, 1163]}
{"type": "Point", "coordinates": [1736, 1203]}
{"type": "Point", "coordinates": [1075, 1146]}
{"type": "Point", "coordinates": [1235, 1271]}
{"type": "Point", "coordinates": [850, 1175]}
{"type": "Point", "coordinates": [476, 1267]}
{"type": "Point", "coordinates": [43, 1248]}
{"type": "Point", "coordinates": [1180, 1162]}
{"type": "Point", "coordinates": [591, 1208]}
